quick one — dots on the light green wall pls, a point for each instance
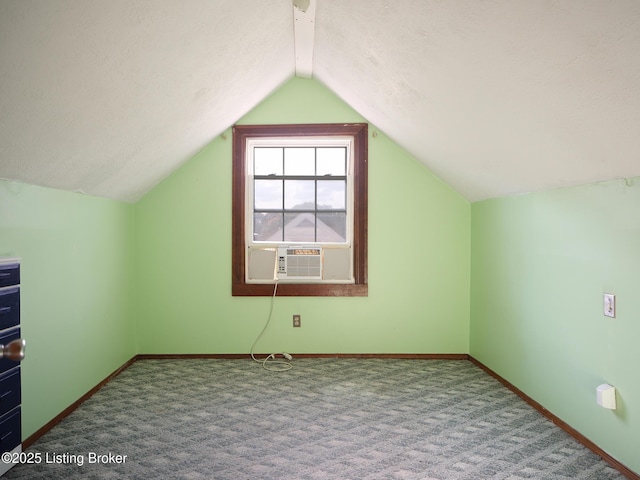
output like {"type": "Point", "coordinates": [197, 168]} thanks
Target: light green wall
{"type": "Point", "coordinates": [418, 256]}
{"type": "Point", "coordinates": [540, 265]}
{"type": "Point", "coordinates": [76, 292]}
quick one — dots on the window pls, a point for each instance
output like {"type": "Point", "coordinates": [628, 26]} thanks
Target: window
{"type": "Point", "coordinates": [299, 193]}
{"type": "Point", "coordinates": [300, 199]}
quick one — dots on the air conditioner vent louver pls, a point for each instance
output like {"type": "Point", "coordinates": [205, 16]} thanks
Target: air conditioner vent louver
{"type": "Point", "coordinates": [300, 262]}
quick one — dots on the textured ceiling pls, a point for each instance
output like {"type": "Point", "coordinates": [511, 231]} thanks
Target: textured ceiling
{"type": "Point", "coordinates": [110, 96]}
{"type": "Point", "coordinates": [495, 97]}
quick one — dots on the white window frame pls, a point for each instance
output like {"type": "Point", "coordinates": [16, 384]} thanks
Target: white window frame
{"type": "Point", "coordinates": [284, 142]}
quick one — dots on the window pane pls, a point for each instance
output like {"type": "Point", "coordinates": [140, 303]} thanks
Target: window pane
{"type": "Point", "coordinates": [267, 194]}
{"type": "Point", "coordinates": [332, 227]}
{"type": "Point", "coordinates": [332, 161]}
{"type": "Point", "coordinates": [331, 194]}
{"type": "Point", "coordinates": [299, 161]}
{"type": "Point", "coordinates": [299, 195]}
{"type": "Point", "coordinates": [267, 161]}
{"type": "Point", "coordinates": [267, 227]}
{"type": "Point", "coordinates": [299, 227]}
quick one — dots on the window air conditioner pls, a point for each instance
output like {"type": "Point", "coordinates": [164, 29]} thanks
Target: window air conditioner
{"type": "Point", "coordinates": [299, 264]}
{"type": "Point", "coordinates": [296, 263]}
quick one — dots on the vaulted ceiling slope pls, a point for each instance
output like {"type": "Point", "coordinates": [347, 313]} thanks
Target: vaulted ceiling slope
{"type": "Point", "coordinates": [495, 97]}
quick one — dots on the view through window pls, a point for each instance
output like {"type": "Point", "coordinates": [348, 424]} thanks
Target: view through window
{"type": "Point", "coordinates": [300, 194]}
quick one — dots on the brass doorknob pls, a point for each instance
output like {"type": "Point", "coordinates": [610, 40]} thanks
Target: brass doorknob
{"type": "Point", "coordinates": [13, 350]}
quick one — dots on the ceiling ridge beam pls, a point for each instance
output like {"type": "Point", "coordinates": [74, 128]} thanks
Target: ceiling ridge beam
{"type": "Point", "coordinates": [304, 20]}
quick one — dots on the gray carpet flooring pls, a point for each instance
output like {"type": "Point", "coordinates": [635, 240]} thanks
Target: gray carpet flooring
{"type": "Point", "coordinates": [323, 419]}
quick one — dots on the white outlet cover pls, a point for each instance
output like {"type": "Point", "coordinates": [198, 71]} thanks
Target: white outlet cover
{"type": "Point", "coordinates": [609, 305]}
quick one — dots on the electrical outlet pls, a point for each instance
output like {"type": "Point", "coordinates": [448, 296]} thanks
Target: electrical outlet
{"type": "Point", "coordinates": [609, 305]}
{"type": "Point", "coordinates": [296, 320]}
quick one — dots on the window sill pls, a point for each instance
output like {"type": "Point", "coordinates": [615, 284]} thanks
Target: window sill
{"type": "Point", "coordinates": [300, 290]}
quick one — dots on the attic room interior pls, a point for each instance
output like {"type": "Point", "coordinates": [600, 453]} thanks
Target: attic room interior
{"type": "Point", "coordinates": [502, 206]}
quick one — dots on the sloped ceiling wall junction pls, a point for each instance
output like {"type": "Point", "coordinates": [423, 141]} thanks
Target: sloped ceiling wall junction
{"type": "Point", "coordinates": [496, 98]}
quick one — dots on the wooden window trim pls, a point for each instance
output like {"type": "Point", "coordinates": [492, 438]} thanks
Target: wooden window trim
{"type": "Point", "coordinates": [359, 132]}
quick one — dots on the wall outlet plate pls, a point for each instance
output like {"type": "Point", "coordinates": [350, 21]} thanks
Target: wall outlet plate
{"type": "Point", "coordinates": [609, 305]}
{"type": "Point", "coordinates": [296, 320]}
